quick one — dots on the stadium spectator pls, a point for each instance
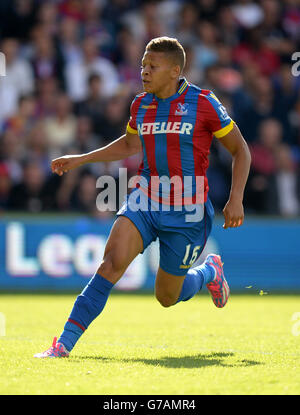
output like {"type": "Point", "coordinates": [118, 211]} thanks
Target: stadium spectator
{"type": "Point", "coordinates": [32, 194]}
{"type": "Point", "coordinates": [93, 105]}
{"type": "Point", "coordinates": [206, 44]}
{"type": "Point", "coordinates": [286, 89]}
{"type": "Point", "coordinates": [129, 71]}
{"type": "Point", "coordinates": [254, 49]}
{"type": "Point", "coordinates": [84, 196]}
{"type": "Point", "coordinates": [228, 26]}
{"type": "Point", "coordinates": [85, 139]}
{"type": "Point", "coordinates": [95, 26]}
{"type": "Point", "coordinates": [64, 190]}
{"type": "Point", "coordinates": [72, 9]}
{"type": "Point", "coordinates": [291, 19]}
{"type": "Point", "coordinates": [61, 127]}
{"type": "Point", "coordinates": [5, 186]}
{"type": "Point", "coordinates": [144, 22]}
{"type": "Point", "coordinates": [273, 31]}
{"type": "Point", "coordinates": [113, 124]}
{"type": "Point", "coordinates": [114, 119]}
{"type": "Point", "coordinates": [191, 71]}
{"type": "Point", "coordinates": [46, 60]}
{"type": "Point", "coordinates": [247, 13]}
{"type": "Point", "coordinates": [37, 147]}
{"type": "Point", "coordinates": [263, 164]}
{"type": "Point", "coordinates": [46, 94]}
{"type": "Point", "coordinates": [185, 27]}
{"type": "Point", "coordinates": [12, 152]}
{"type": "Point", "coordinates": [114, 10]}
{"type": "Point", "coordinates": [18, 80]}
{"type": "Point", "coordinates": [23, 119]}
{"type": "Point", "coordinates": [284, 185]}
{"type": "Point", "coordinates": [295, 125]}
{"type": "Point", "coordinates": [47, 17]}
{"type": "Point", "coordinates": [260, 106]}
{"type": "Point", "coordinates": [17, 18]}
{"type": "Point", "coordinates": [77, 73]}
{"type": "Point", "coordinates": [69, 37]}
{"type": "Point", "coordinates": [207, 9]}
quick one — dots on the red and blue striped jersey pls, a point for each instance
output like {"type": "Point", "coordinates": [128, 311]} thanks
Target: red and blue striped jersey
{"type": "Point", "coordinates": [176, 135]}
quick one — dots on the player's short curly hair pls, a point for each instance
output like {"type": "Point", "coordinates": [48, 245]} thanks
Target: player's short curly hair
{"type": "Point", "coordinates": [170, 46]}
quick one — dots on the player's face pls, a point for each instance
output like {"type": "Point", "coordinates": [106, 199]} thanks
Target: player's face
{"type": "Point", "coordinates": [157, 72]}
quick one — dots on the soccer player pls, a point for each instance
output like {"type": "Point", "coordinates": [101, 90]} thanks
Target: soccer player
{"type": "Point", "coordinates": [173, 123]}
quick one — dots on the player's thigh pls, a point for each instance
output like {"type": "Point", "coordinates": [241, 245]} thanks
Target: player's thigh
{"type": "Point", "coordinates": [167, 287]}
{"type": "Point", "coordinates": [123, 245]}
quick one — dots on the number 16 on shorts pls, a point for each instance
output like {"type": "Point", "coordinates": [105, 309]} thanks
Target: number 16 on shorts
{"type": "Point", "coordinates": [186, 263]}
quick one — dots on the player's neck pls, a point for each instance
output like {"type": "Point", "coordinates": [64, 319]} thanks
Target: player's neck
{"type": "Point", "coordinates": [168, 90]}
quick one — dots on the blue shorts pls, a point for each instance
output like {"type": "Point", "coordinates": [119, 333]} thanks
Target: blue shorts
{"type": "Point", "coordinates": [182, 233]}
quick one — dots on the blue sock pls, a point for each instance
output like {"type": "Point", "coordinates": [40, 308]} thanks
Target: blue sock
{"type": "Point", "coordinates": [87, 307]}
{"type": "Point", "coordinates": [194, 280]}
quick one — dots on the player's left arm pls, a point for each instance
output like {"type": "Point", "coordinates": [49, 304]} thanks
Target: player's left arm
{"type": "Point", "coordinates": [241, 160]}
{"type": "Point", "coordinates": [226, 131]}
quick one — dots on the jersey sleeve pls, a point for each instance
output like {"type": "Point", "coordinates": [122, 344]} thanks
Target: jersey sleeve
{"type": "Point", "coordinates": [216, 118]}
{"type": "Point", "coordinates": [131, 126]}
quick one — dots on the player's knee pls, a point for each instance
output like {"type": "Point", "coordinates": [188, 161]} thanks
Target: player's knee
{"type": "Point", "coordinates": [112, 267]}
{"type": "Point", "coordinates": [165, 300]}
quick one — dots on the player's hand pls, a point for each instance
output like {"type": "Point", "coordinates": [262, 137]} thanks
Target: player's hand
{"type": "Point", "coordinates": [63, 164]}
{"type": "Point", "coordinates": [233, 213]}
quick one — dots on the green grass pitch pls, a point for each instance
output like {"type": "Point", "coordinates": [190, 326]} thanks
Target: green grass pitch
{"type": "Point", "coordinates": [138, 347]}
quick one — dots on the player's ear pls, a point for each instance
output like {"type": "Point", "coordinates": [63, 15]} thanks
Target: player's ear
{"type": "Point", "coordinates": [176, 70]}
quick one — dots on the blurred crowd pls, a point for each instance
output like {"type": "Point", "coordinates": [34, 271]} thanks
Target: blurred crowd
{"type": "Point", "coordinates": [73, 68]}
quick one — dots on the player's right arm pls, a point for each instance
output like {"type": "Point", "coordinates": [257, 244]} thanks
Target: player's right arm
{"type": "Point", "coordinates": [226, 131]}
{"type": "Point", "coordinates": [125, 146]}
